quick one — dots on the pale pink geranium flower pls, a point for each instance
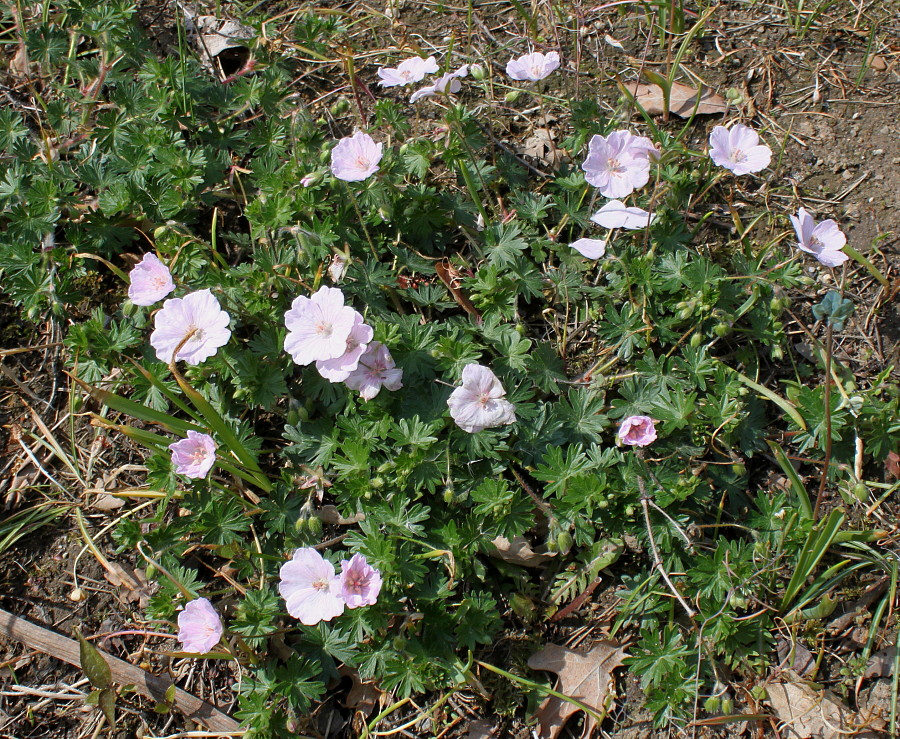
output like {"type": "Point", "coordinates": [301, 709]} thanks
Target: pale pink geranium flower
{"type": "Point", "coordinates": [449, 82]}
{"type": "Point", "coordinates": [590, 248]}
{"type": "Point", "coordinates": [339, 368]}
{"type": "Point", "coordinates": [199, 627]}
{"type": "Point", "coordinates": [195, 322]}
{"type": "Point", "coordinates": [533, 67]}
{"type": "Point", "coordinates": [194, 456]}
{"type": "Point", "coordinates": [738, 149]}
{"type": "Point", "coordinates": [360, 582]}
{"type": "Point", "coordinates": [318, 327]}
{"type": "Point", "coordinates": [376, 369]}
{"type": "Point", "coordinates": [150, 281]}
{"type": "Point", "coordinates": [617, 164]}
{"type": "Point", "coordinates": [479, 403]}
{"type": "Point", "coordinates": [823, 240]}
{"type": "Point", "coordinates": [615, 214]}
{"type": "Point", "coordinates": [310, 587]}
{"type": "Point", "coordinates": [355, 157]}
{"type": "Point", "coordinates": [408, 71]}
{"type": "Point", "coordinates": [637, 431]}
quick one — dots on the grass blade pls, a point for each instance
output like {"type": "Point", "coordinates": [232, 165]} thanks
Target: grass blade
{"type": "Point", "coordinates": [796, 483]}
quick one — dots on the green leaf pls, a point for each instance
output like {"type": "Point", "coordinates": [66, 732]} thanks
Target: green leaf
{"type": "Point", "coordinates": [107, 703]}
{"type": "Point", "coordinates": [94, 665]}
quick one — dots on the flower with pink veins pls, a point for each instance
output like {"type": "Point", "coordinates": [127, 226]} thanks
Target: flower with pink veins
{"type": "Point", "coordinates": [408, 71]}
{"type": "Point", "coordinates": [615, 165]}
{"type": "Point", "coordinates": [318, 327]}
{"type": "Point", "coordinates": [199, 627]}
{"type": "Point", "coordinates": [479, 403]}
{"type": "Point", "coordinates": [310, 587]}
{"type": "Point", "coordinates": [615, 214]}
{"type": "Point", "coordinates": [356, 157]}
{"type": "Point", "coordinates": [150, 281]}
{"type": "Point", "coordinates": [196, 323]}
{"type": "Point", "coordinates": [738, 149]}
{"type": "Point", "coordinates": [194, 456]}
{"type": "Point", "coordinates": [339, 368]}
{"type": "Point", "coordinates": [637, 431]}
{"type": "Point", "coordinates": [360, 582]}
{"type": "Point", "coordinates": [448, 83]}
{"type": "Point", "coordinates": [823, 240]}
{"type": "Point", "coordinates": [376, 370]}
{"type": "Point", "coordinates": [533, 67]}
{"type": "Point", "coordinates": [590, 248]}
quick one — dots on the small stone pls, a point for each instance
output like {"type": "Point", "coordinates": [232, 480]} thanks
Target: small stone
{"type": "Point", "coordinates": [846, 174]}
{"type": "Point", "coordinates": [877, 63]}
{"type": "Point", "coordinates": [877, 152]}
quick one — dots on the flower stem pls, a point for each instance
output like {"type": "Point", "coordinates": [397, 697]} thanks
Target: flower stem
{"type": "Point", "coordinates": [829, 345]}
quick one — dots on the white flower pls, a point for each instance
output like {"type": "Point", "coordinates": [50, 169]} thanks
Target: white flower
{"type": "Point", "coordinates": [450, 82]}
{"type": "Point", "coordinates": [196, 323]}
{"type": "Point", "coordinates": [615, 214]}
{"type": "Point", "coordinates": [479, 403]}
{"type": "Point", "coordinates": [590, 248]}
{"type": "Point", "coordinates": [533, 67]}
{"type": "Point", "coordinates": [318, 327]}
{"type": "Point", "coordinates": [150, 281]}
{"type": "Point", "coordinates": [738, 149]}
{"type": "Point", "coordinates": [408, 71]}
{"type": "Point", "coordinates": [356, 157]}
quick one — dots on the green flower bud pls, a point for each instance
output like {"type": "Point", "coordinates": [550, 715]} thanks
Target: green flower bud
{"type": "Point", "coordinates": [696, 340]}
{"type": "Point", "coordinates": [478, 72]}
{"type": "Point", "coordinates": [512, 96]}
{"type": "Point", "coordinates": [340, 107]}
{"type": "Point", "coordinates": [722, 329]}
{"type": "Point", "coordinates": [861, 492]}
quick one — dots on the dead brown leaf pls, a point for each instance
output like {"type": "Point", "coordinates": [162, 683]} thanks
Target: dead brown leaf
{"type": "Point", "coordinates": [132, 581]}
{"type": "Point", "coordinates": [586, 677]}
{"type": "Point", "coordinates": [481, 729]}
{"type": "Point", "coordinates": [892, 465]}
{"type": "Point", "coordinates": [682, 101]}
{"type": "Point", "coordinates": [329, 514]}
{"type": "Point", "coordinates": [541, 145]}
{"type": "Point", "coordinates": [518, 552]}
{"type": "Point", "coordinates": [805, 713]}
{"type": "Point", "coordinates": [363, 696]}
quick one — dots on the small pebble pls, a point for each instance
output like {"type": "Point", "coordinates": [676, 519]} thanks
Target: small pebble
{"type": "Point", "coordinates": [877, 152]}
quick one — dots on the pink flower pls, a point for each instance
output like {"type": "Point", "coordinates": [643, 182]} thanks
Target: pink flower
{"type": "Point", "coordinates": [199, 627]}
{"type": "Point", "coordinates": [310, 587]}
{"type": "Point", "coordinates": [309, 180]}
{"type": "Point", "coordinates": [195, 322]}
{"type": "Point", "coordinates": [360, 582]}
{"type": "Point", "coordinates": [823, 240]}
{"type": "Point", "coordinates": [643, 146]}
{"type": "Point", "coordinates": [318, 327]}
{"type": "Point", "coordinates": [449, 82]}
{"type": "Point", "coordinates": [408, 71]}
{"type": "Point", "coordinates": [150, 281]}
{"type": "Point", "coordinates": [738, 149]}
{"type": "Point", "coordinates": [533, 67]}
{"type": "Point", "coordinates": [590, 248]}
{"type": "Point", "coordinates": [194, 456]}
{"type": "Point", "coordinates": [617, 164]}
{"type": "Point", "coordinates": [355, 157]}
{"type": "Point", "coordinates": [615, 214]}
{"type": "Point", "coordinates": [637, 431]}
{"type": "Point", "coordinates": [376, 369]}
{"type": "Point", "coordinates": [339, 368]}
{"type": "Point", "coordinates": [479, 403]}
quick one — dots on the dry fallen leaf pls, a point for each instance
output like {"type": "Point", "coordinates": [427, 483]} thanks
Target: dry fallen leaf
{"type": "Point", "coordinates": [586, 677]}
{"type": "Point", "coordinates": [880, 664]}
{"type": "Point", "coordinates": [329, 514]}
{"type": "Point", "coordinates": [518, 552]}
{"type": "Point", "coordinates": [481, 729]}
{"type": "Point", "coordinates": [540, 145]}
{"type": "Point", "coordinates": [363, 696]}
{"type": "Point", "coordinates": [682, 101]}
{"type": "Point", "coordinates": [132, 581]}
{"type": "Point", "coordinates": [804, 713]}
{"type": "Point", "coordinates": [892, 465]}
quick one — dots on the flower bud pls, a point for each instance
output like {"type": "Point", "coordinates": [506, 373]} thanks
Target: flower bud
{"type": "Point", "coordinates": [340, 107]}
{"type": "Point", "coordinates": [512, 96]}
{"type": "Point", "coordinates": [478, 72]}
{"type": "Point", "coordinates": [696, 340]}
{"type": "Point", "coordinates": [722, 329]}
{"type": "Point", "coordinates": [861, 492]}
